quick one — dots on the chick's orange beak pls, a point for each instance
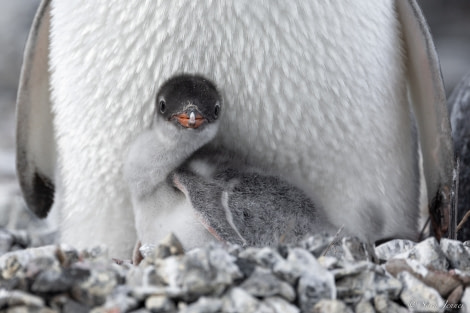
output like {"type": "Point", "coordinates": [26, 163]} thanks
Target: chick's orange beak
{"type": "Point", "coordinates": [192, 120]}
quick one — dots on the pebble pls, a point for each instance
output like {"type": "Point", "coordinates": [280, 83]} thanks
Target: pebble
{"type": "Point", "coordinates": [418, 296]}
{"type": "Point", "coordinates": [355, 250]}
{"type": "Point", "coordinates": [160, 304]}
{"type": "Point", "coordinates": [392, 248]}
{"type": "Point", "coordinates": [16, 297]}
{"type": "Point", "coordinates": [457, 254]}
{"type": "Point", "coordinates": [364, 306]}
{"type": "Point", "coordinates": [280, 305]}
{"type": "Point", "coordinates": [331, 306]}
{"type": "Point", "coordinates": [384, 305]}
{"type": "Point", "coordinates": [262, 283]}
{"type": "Point", "coordinates": [367, 285]}
{"type": "Point", "coordinates": [428, 253]}
{"type": "Point", "coordinates": [204, 305]}
{"type": "Point", "coordinates": [237, 300]}
{"type": "Point", "coordinates": [443, 282]}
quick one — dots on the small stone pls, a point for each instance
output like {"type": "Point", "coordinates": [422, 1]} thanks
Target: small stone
{"type": "Point", "coordinates": [142, 293]}
{"type": "Point", "coordinates": [356, 250]}
{"type": "Point", "coordinates": [97, 285]}
{"type": "Point", "coordinates": [279, 305]}
{"type": "Point", "coordinates": [208, 271]}
{"type": "Point", "coordinates": [266, 257]}
{"type": "Point", "coordinates": [354, 268]}
{"type": "Point", "coordinates": [168, 246]}
{"type": "Point", "coordinates": [12, 266]}
{"type": "Point", "coordinates": [26, 255]}
{"type": "Point", "coordinates": [463, 277]}
{"type": "Point", "coordinates": [16, 297]}
{"type": "Point", "coordinates": [465, 301]}
{"type": "Point", "coordinates": [71, 306]}
{"type": "Point", "coordinates": [262, 283]}
{"type": "Point", "coordinates": [316, 244]}
{"type": "Point", "coordinates": [457, 254]}
{"type": "Point", "coordinates": [67, 255]}
{"type": "Point", "coordinates": [418, 296]}
{"type": "Point", "coordinates": [455, 296]}
{"type": "Point", "coordinates": [331, 306]}
{"type": "Point", "coordinates": [384, 305]}
{"type": "Point", "coordinates": [364, 306]}
{"type": "Point", "coordinates": [200, 272]}
{"type": "Point", "coordinates": [120, 301]}
{"type": "Point", "coordinates": [204, 305]}
{"type": "Point", "coordinates": [55, 280]}
{"type": "Point", "coordinates": [428, 253]}
{"type": "Point", "coordinates": [63, 303]}
{"type": "Point", "coordinates": [140, 311]}
{"type": "Point", "coordinates": [160, 304]}
{"type": "Point", "coordinates": [237, 300]}
{"type": "Point", "coordinates": [147, 250]}
{"type": "Point", "coordinates": [28, 309]}
{"type": "Point", "coordinates": [391, 248]}
{"type": "Point", "coordinates": [246, 266]}
{"type": "Point", "coordinates": [443, 282]}
{"type": "Point", "coordinates": [315, 283]}
{"type": "Point", "coordinates": [40, 264]}
{"type": "Point", "coordinates": [367, 285]}
{"type": "Point", "coordinates": [173, 244]}
{"type": "Point", "coordinates": [328, 262]}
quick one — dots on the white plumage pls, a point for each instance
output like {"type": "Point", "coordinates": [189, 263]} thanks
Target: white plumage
{"type": "Point", "coordinates": [316, 92]}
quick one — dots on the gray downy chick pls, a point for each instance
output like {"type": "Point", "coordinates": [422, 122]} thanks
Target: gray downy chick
{"type": "Point", "coordinates": [241, 205]}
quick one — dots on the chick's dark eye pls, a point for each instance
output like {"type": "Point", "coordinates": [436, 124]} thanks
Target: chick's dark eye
{"type": "Point", "coordinates": [216, 110]}
{"type": "Point", "coordinates": [162, 106]}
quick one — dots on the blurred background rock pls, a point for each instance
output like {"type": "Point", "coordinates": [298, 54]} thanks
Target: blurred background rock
{"type": "Point", "coordinates": [449, 21]}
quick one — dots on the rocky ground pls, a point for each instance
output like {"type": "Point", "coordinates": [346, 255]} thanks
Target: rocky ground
{"type": "Point", "coordinates": [320, 274]}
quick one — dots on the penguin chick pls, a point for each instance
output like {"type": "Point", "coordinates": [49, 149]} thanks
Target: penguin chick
{"type": "Point", "coordinates": [186, 118]}
{"type": "Point", "coordinates": [240, 205]}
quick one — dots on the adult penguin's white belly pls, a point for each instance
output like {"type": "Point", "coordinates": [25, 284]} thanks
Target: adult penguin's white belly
{"type": "Point", "coordinates": [314, 91]}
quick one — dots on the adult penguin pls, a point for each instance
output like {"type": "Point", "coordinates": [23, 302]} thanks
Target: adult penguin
{"type": "Point", "coordinates": [319, 92]}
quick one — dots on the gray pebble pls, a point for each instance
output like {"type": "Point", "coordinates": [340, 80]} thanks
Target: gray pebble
{"type": "Point", "coordinates": [428, 253]}
{"type": "Point", "coordinates": [364, 306]}
{"type": "Point", "coordinates": [204, 305]}
{"type": "Point", "coordinates": [355, 250]}
{"type": "Point", "coordinates": [457, 254]}
{"type": "Point", "coordinates": [384, 305]}
{"type": "Point", "coordinates": [160, 304]}
{"type": "Point", "coordinates": [316, 244]}
{"type": "Point", "coordinates": [262, 283]}
{"type": "Point", "coordinates": [367, 285]}
{"type": "Point", "coordinates": [237, 300]}
{"type": "Point", "coordinates": [331, 306]}
{"type": "Point", "coordinates": [418, 296]}
{"type": "Point", "coordinates": [391, 248]}
{"type": "Point", "coordinates": [279, 305]}
{"type": "Point", "coordinates": [16, 297]}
